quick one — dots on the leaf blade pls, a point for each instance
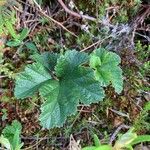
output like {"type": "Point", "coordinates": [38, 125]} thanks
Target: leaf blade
{"type": "Point", "coordinates": [75, 82]}
{"type": "Point", "coordinates": [29, 81]}
{"type": "Point", "coordinates": [47, 59]}
{"type": "Point", "coordinates": [107, 70]}
{"type": "Point", "coordinates": [58, 105]}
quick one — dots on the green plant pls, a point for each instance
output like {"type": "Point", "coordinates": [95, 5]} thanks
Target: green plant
{"type": "Point", "coordinates": [143, 52]}
{"type": "Point", "coordinates": [100, 61]}
{"type": "Point", "coordinates": [7, 14]}
{"type": "Point", "coordinates": [1, 57]}
{"type": "Point", "coordinates": [10, 137]}
{"type": "Point", "coordinates": [125, 141]}
{"type": "Point", "coordinates": [7, 22]}
{"type": "Point", "coordinates": [6, 70]}
{"type": "Point", "coordinates": [64, 80]}
{"type": "Point", "coordinates": [142, 122]}
{"type": "Point", "coordinates": [97, 145]}
{"type": "Point", "coordinates": [17, 38]}
{"type": "Point", "coordinates": [4, 111]}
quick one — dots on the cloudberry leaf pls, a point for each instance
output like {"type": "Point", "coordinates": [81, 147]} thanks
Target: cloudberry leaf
{"type": "Point", "coordinates": [29, 81]}
{"type": "Point", "coordinates": [47, 59]}
{"type": "Point", "coordinates": [72, 81]}
{"type": "Point", "coordinates": [12, 133]}
{"type": "Point", "coordinates": [61, 101]}
{"type": "Point", "coordinates": [71, 67]}
{"type": "Point", "coordinates": [107, 70]}
{"type": "Point", "coordinates": [76, 82]}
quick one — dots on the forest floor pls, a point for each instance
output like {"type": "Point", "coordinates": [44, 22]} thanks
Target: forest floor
{"type": "Point", "coordinates": [122, 27]}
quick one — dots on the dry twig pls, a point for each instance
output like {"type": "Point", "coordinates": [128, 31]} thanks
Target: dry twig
{"type": "Point", "coordinates": [116, 132]}
{"type": "Point", "coordinates": [96, 43]}
{"type": "Point", "coordinates": [51, 19]}
{"type": "Point", "coordinates": [80, 16]}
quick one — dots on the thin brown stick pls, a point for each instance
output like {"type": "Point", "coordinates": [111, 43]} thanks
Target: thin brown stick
{"type": "Point", "coordinates": [96, 43]}
{"type": "Point", "coordinates": [80, 16]}
{"type": "Point", "coordinates": [38, 142]}
{"type": "Point", "coordinates": [112, 138]}
{"type": "Point", "coordinates": [51, 19]}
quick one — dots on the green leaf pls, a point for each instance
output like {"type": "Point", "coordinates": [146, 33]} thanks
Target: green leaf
{"type": "Point", "coordinates": [16, 140]}
{"type": "Point", "coordinates": [106, 68]}
{"type": "Point", "coordinates": [70, 68]}
{"type": "Point", "coordinates": [29, 81]}
{"type": "Point", "coordinates": [140, 139]}
{"type": "Point", "coordinates": [76, 82]}
{"type": "Point", "coordinates": [31, 46]}
{"type": "Point", "coordinates": [24, 33]}
{"type": "Point", "coordinates": [12, 133]}
{"type": "Point", "coordinates": [13, 43]}
{"type": "Point", "coordinates": [47, 59]}
{"type": "Point", "coordinates": [60, 103]}
{"type": "Point", "coordinates": [89, 148]}
{"type": "Point", "coordinates": [5, 142]}
{"type": "Point", "coordinates": [95, 61]}
{"type": "Point", "coordinates": [73, 83]}
{"type": "Point", "coordinates": [102, 147]}
{"type": "Point", "coordinates": [147, 106]}
{"type": "Point", "coordinates": [96, 140]}
{"type": "Point", "coordinates": [98, 145]}
{"type": "Point", "coordinates": [126, 139]}
{"type": "Point", "coordinates": [10, 28]}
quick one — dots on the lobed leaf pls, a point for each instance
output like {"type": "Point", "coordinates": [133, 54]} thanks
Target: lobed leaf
{"type": "Point", "coordinates": [60, 103]}
{"type": "Point", "coordinates": [12, 133]}
{"type": "Point", "coordinates": [107, 70]}
{"type": "Point", "coordinates": [29, 81]}
{"type": "Point", "coordinates": [75, 83]}
{"type": "Point", "coordinates": [47, 59]}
